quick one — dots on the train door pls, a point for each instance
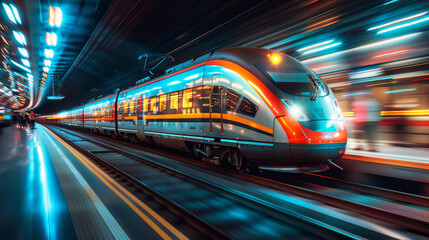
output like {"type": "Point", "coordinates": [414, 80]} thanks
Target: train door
{"type": "Point", "coordinates": [140, 122]}
{"type": "Point", "coordinates": [115, 113]}
{"type": "Point", "coordinates": [215, 110]}
{"type": "Point", "coordinates": [83, 117]}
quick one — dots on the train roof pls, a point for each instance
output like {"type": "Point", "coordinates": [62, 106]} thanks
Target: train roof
{"type": "Point", "coordinates": [244, 56]}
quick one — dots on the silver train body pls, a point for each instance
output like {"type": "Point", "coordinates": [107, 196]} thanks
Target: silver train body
{"type": "Point", "coordinates": [247, 107]}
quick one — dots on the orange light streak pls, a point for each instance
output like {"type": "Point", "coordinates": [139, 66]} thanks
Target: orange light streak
{"type": "Point", "coordinates": [391, 53]}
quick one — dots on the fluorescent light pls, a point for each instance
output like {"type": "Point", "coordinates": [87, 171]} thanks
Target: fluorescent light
{"type": "Point", "coordinates": [55, 16]}
{"type": "Point", "coordinates": [376, 44]}
{"type": "Point", "coordinates": [391, 53]}
{"type": "Point", "coordinates": [322, 48]}
{"type": "Point", "coordinates": [51, 39]}
{"type": "Point", "coordinates": [366, 74]}
{"type": "Point", "coordinates": [315, 45]}
{"type": "Point", "coordinates": [19, 65]}
{"type": "Point", "coordinates": [56, 98]}
{"type": "Point", "coordinates": [16, 13]}
{"type": "Point", "coordinates": [49, 53]}
{"type": "Point", "coordinates": [23, 52]}
{"type": "Point", "coordinates": [388, 41]}
{"type": "Point", "coordinates": [20, 37]}
{"type": "Point", "coordinates": [398, 21]}
{"type": "Point", "coordinates": [355, 94]}
{"type": "Point", "coordinates": [403, 25]}
{"type": "Point", "coordinates": [389, 2]}
{"type": "Point", "coordinates": [9, 12]}
{"type": "Point", "coordinates": [400, 90]}
{"type": "Point", "coordinates": [26, 62]}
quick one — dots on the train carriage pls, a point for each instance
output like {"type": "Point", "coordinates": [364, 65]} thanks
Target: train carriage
{"type": "Point", "coordinates": [129, 116]}
{"type": "Point", "coordinates": [76, 117]}
{"type": "Point", "coordinates": [242, 106]}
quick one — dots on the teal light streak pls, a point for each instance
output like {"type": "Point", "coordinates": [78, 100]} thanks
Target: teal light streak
{"type": "Point", "coordinates": [403, 25]}
{"type": "Point", "coordinates": [322, 48]}
{"type": "Point", "coordinates": [400, 90]}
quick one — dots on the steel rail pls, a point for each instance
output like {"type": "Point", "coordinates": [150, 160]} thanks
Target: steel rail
{"type": "Point", "coordinates": [252, 201]}
{"type": "Point", "coordinates": [375, 191]}
{"type": "Point", "coordinates": [196, 222]}
{"type": "Point", "coordinates": [407, 222]}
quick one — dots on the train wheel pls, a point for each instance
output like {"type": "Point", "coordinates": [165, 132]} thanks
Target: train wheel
{"type": "Point", "coordinates": [252, 168]}
{"type": "Point", "coordinates": [240, 163]}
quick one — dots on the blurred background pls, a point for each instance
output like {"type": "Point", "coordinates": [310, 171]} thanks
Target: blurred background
{"type": "Point", "coordinates": [371, 53]}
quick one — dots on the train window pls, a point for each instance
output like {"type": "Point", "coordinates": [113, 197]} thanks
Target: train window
{"type": "Point", "coordinates": [174, 100]}
{"type": "Point", "coordinates": [153, 104]}
{"type": "Point", "coordinates": [294, 78]}
{"type": "Point", "coordinates": [125, 107]}
{"type": "Point", "coordinates": [232, 99]}
{"type": "Point", "coordinates": [187, 98]}
{"type": "Point", "coordinates": [131, 107]}
{"type": "Point", "coordinates": [247, 107]}
{"type": "Point", "coordinates": [145, 104]}
{"type": "Point", "coordinates": [163, 102]}
{"type": "Point", "coordinates": [215, 89]}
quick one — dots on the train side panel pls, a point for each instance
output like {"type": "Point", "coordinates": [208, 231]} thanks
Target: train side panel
{"type": "Point", "coordinates": [106, 115]}
{"type": "Point", "coordinates": [235, 115]}
{"type": "Point", "coordinates": [172, 110]}
{"type": "Point", "coordinates": [89, 117]}
{"type": "Point", "coordinates": [129, 116]}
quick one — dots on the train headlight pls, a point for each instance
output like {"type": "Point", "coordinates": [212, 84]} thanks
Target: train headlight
{"type": "Point", "coordinates": [295, 111]}
{"type": "Point", "coordinates": [275, 58]}
{"type": "Point", "coordinates": [298, 114]}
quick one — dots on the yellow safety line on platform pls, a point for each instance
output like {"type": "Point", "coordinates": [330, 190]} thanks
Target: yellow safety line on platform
{"type": "Point", "coordinates": [106, 179]}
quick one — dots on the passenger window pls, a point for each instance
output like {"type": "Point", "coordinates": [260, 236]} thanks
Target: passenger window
{"type": "Point", "coordinates": [216, 89]}
{"type": "Point", "coordinates": [232, 99]}
{"type": "Point", "coordinates": [187, 98]}
{"type": "Point", "coordinates": [145, 104]}
{"type": "Point", "coordinates": [153, 104]}
{"type": "Point", "coordinates": [174, 100]}
{"type": "Point", "coordinates": [125, 107]}
{"type": "Point", "coordinates": [131, 107]}
{"type": "Point", "coordinates": [247, 108]}
{"type": "Point", "coordinates": [136, 107]}
{"type": "Point", "coordinates": [163, 102]}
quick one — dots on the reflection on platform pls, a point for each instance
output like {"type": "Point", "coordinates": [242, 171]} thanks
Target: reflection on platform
{"type": "Point", "coordinates": [33, 205]}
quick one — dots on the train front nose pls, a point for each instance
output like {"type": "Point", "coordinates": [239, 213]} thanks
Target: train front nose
{"type": "Point", "coordinates": [314, 141]}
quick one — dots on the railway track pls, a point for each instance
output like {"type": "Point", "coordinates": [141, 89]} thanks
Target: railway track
{"type": "Point", "coordinates": [402, 197]}
{"type": "Point", "coordinates": [159, 174]}
{"type": "Point", "coordinates": [407, 222]}
{"type": "Point", "coordinates": [133, 184]}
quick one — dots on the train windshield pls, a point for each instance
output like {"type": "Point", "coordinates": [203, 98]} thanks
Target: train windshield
{"type": "Point", "coordinates": [294, 78]}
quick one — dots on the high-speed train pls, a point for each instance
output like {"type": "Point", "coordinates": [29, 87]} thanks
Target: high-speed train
{"type": "Point", "coordinates": [247, 107]}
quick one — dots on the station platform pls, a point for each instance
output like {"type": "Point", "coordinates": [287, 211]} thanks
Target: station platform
{"type": "Point", "coordinates": [389, 151]}
{"type": "Point", "coordinates": [398, 168]}
{"type": "Point", "coordinates": [50, 191]}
